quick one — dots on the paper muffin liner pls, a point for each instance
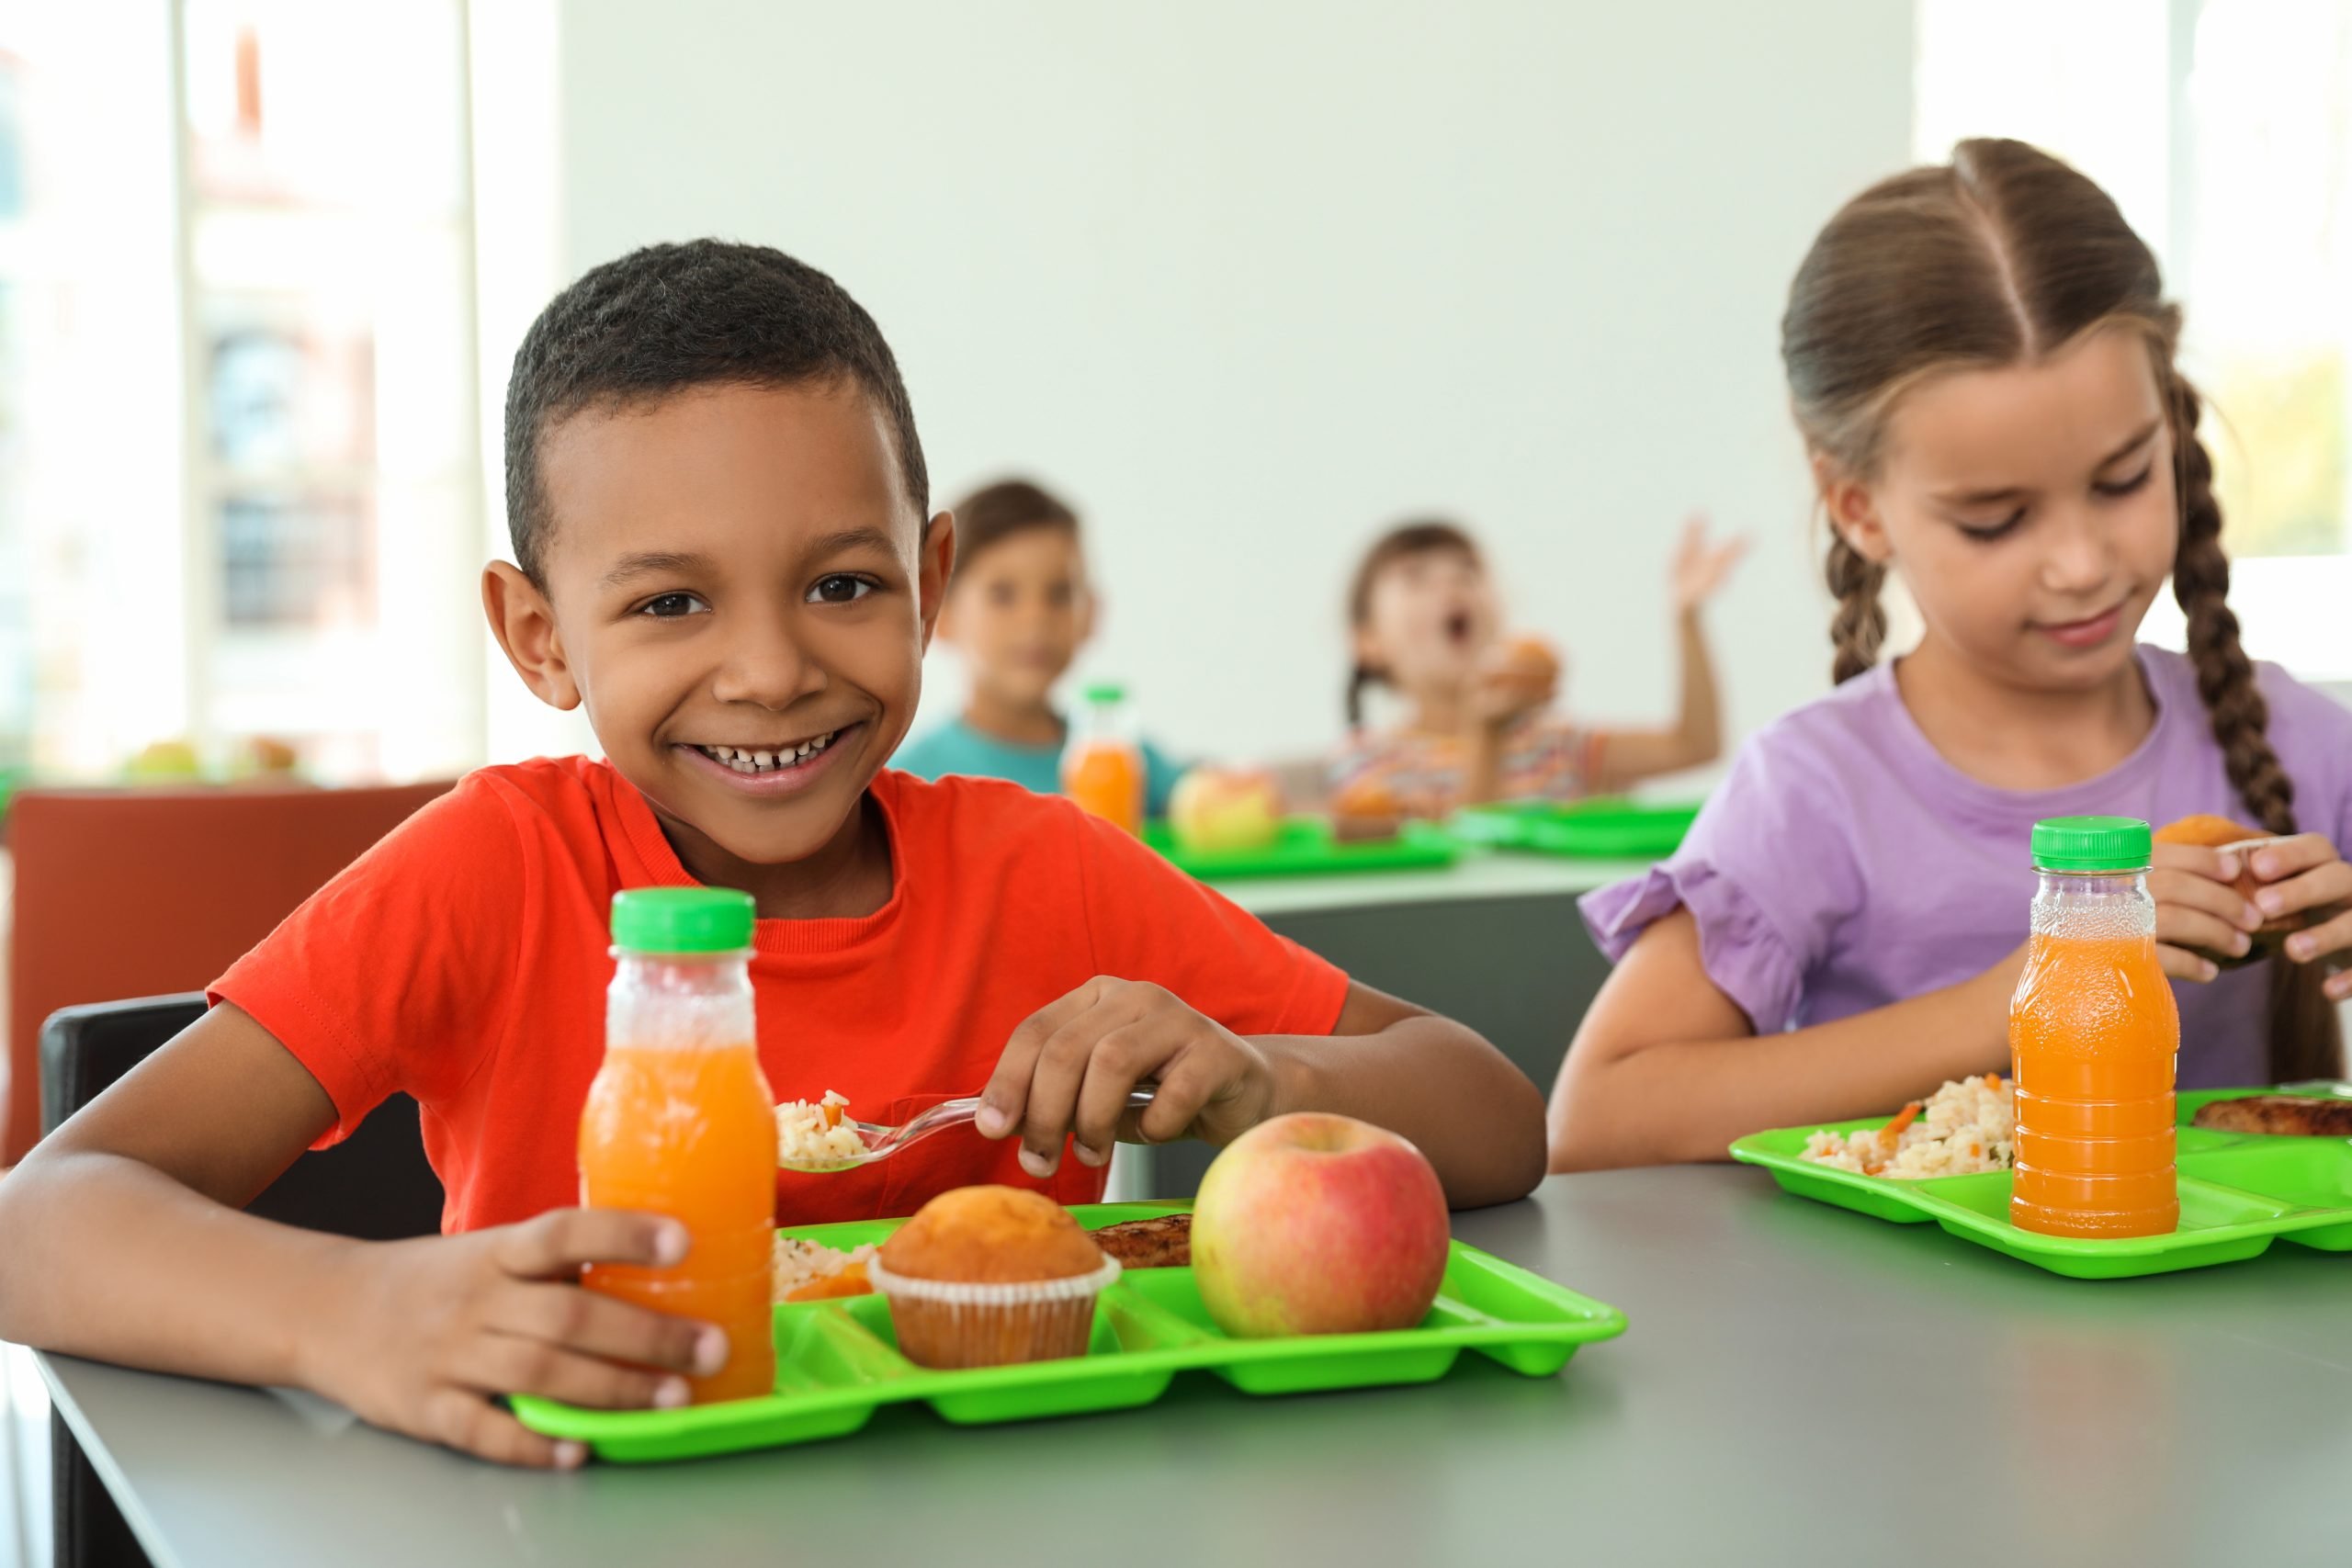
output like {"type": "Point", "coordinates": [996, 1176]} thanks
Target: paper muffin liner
{"type": "Point", "coordinates": [949, 1323]}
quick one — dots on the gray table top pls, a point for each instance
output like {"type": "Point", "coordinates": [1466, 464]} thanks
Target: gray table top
{"type": "Point", "coordinates": [1800, 1384]}
{"type": "Point", "coordinates": [1479, 873]}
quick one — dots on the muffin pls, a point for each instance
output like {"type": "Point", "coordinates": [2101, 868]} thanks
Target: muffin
{"type": "Point", "coordinates": [988, 1275]}
{"type": "Point", "coordinates": [1532, 660]}
{"type": "Point", "coordinates": [1365, 810]}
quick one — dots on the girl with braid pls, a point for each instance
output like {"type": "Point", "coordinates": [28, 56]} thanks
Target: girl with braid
{"type": "Point", "coordinates": [1981, 361]}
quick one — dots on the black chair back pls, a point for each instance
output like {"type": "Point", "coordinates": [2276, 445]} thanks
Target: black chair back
{"type": "Point", "coordinates": [375, 1185]}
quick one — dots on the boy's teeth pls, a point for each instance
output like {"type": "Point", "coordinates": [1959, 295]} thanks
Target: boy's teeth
{"type": "Point", "coordinates": [749, 761]}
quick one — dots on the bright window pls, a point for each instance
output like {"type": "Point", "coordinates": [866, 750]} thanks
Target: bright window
{"type": "Point", "coordinates": [240, 472]}
{"type": "Point", "coordinates": [2224, 129]}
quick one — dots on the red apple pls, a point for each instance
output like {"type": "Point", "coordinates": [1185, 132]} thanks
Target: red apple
{"type": "Point", "coordinates": [1217, 809]}
{"type": "Point", "coordinates": [1315, 1223]}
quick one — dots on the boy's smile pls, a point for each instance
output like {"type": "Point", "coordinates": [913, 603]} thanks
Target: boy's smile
{"type": "Point", "coordinates": [739, 591]}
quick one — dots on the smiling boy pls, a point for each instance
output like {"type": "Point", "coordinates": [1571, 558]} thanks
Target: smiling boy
{"type": "Point", "coordinates": [718, 502]}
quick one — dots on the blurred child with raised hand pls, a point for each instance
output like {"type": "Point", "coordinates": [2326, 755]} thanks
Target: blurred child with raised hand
{"type": "Point", "coordinates": [1981, 364]}
{"type": "Point", "coordinates": [1426, 621]}
{"type": "Point", "coordinates": [724, 553]}
{"type": "Point", "coordinates": [1019, 607]}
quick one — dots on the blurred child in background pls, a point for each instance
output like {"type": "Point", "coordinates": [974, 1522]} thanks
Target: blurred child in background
{"type": "Point", "coordinates": [1428, 623]}
{"type": "Point", "coordinates": [1019, 607]}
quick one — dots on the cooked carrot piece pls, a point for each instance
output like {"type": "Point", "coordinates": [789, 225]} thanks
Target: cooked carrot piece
{"type": "Point", "coordinates": [849, 1282]}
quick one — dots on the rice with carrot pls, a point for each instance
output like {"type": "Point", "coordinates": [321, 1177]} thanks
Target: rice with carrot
{"type": "Point", "coordinates": [816, 1133]}
{"type": "Point", "coordinates": [1965, 1127]}
{"type": "Point", "coordinates": [811, 1272]}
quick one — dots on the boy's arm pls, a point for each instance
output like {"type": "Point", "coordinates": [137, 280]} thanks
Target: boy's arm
{"type": "Point", "coordinates": [1067, 1070]}
{"type": "Point", "coordinates": [1478, 1118]}
{"type": "Point", "coordinates": [1629, 756]}
{"type": "Point", "coordinates": [121, 1239]}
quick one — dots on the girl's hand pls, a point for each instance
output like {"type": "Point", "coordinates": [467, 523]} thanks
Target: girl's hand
{"type": "Point", "coordinates": [1069, 1068]}
{"type": "Point", "coordinates": [1700, 568]}
{"type": "Point", "coordinates": [1509, 687]}
{"type": "Point", "coordinates": [2200, 915]}
{"type": "Point", "coordinates": [2304, 876]}
{"type": "Point", "coordinates": [421, 1334]}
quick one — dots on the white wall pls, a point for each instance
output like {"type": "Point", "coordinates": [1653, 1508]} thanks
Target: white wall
{"type": "Point", "coordinates": [1250, 281]}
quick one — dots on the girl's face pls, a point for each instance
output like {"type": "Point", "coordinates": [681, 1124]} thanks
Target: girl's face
{"type": "Point", "coordinates": [1429, 617]}
{"type": "Point", "coordinates": [2030, 509]}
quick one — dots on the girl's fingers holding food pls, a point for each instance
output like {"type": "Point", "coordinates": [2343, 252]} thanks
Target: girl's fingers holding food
{"type": "Point", "coordinates": [2182, 965]}
{"type": "Point", "coordinates": [2193, 893]}
{"type": "Point", "coordinates": [2321, 888]}
{"type": "Point", "coordinates": [2282, 858]}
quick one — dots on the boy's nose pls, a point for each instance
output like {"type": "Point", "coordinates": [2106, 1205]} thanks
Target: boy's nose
{"type": "Point", "coordinates": [766, 667]}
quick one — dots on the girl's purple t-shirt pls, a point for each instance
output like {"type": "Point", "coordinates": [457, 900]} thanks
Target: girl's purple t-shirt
{"type": "Point", "coordinates": [1845, 865]}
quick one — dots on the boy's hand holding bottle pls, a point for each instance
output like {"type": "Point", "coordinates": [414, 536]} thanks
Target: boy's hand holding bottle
{"type": "Point", "coordinates": [419, 1336]}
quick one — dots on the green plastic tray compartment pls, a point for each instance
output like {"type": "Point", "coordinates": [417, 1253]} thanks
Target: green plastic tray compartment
{"type": "Point", "coordinates": [1304, 847]}
{"type": "Point", "coordinates": [2238, 1193]}
{"type": "Point", "coordinates": [1605, 829]}
{"type": "Point", "coordinates": [837, 1361]}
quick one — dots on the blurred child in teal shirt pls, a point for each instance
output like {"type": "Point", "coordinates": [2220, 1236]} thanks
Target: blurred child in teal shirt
{"type": "Point", "coordinates": [1019, 607]}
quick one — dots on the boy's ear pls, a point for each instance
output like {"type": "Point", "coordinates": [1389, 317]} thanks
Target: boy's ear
{"type": "Point", "coordinates": [523, 624]}
{"type": "Point", "coordinates": [934, 564]}
{"type": "Point", "coordinates": [1853, 511]}
{"type": "Point", "coordinates": [1090, 608]}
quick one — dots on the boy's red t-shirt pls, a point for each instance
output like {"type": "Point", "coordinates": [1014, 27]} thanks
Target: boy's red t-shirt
{"type": "Point", "coordinates": [463, 960]}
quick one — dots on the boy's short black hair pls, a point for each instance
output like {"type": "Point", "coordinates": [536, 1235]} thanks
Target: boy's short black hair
{"type": "Point", "coordinates": [1007, 507]}
{"type": "Point", "coordinates": [669, 318]}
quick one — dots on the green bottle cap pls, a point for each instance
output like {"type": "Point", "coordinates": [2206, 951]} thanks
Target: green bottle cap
{"type": "Point", "coordinates": [2091, 843]}
{"type": "Point", "coordinates": [682, 919]}
{"type": "Point", "coordinates": [1104, 693]}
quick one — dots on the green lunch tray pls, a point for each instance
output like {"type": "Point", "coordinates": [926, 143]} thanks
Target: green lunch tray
{"type": "Point", "coordinates": [2238, 1191]}
{"type": "Point", "coordinates": [1600, 829]}
{"type": "Point", "coordinates": [1305, 847]}
{"type": "Point", "coordinates": [838, 1360]}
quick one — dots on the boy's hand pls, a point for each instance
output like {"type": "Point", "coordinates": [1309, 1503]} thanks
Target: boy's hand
{"type": "Point", "coordinates": [2200, 915]}
{"type": "Point", "coordinates": [1700, 567]}
{"type": "Point", "coordinates": [2304, 876]}
{"type": "Point", "coordinates": [419, 1336]}
{"type": "Point", "coordinates": [1069, 1068]}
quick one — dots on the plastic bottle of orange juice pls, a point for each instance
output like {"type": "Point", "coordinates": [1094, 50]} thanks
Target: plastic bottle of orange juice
{"type": "Point", "coordinates": [680, 1120]}
{"type": "Point", "coordinates": [2094, 1035]}
{"type": "Point", "coordinates": [1102, 762]}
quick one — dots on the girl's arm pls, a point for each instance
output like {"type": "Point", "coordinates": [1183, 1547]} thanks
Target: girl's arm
{"type": "Point", "coordinates": [1629, 756]}
{"type": "Point", "coordinates": [1665, 1067]}
{"type": "Point", "coordinates": [120, 1237]}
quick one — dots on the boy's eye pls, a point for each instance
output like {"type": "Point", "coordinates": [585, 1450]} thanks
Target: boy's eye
{"type": "Point", "coordinates": [670, 606]}
{"type": "Point", "coordinates": [1001, 595]}
{"type": "Point", "coordinates": [2125, 487]}
{"type": "Point", "coordinates": [1985, 533]}
{"type": "Point", "coordinates": [839, 588]}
